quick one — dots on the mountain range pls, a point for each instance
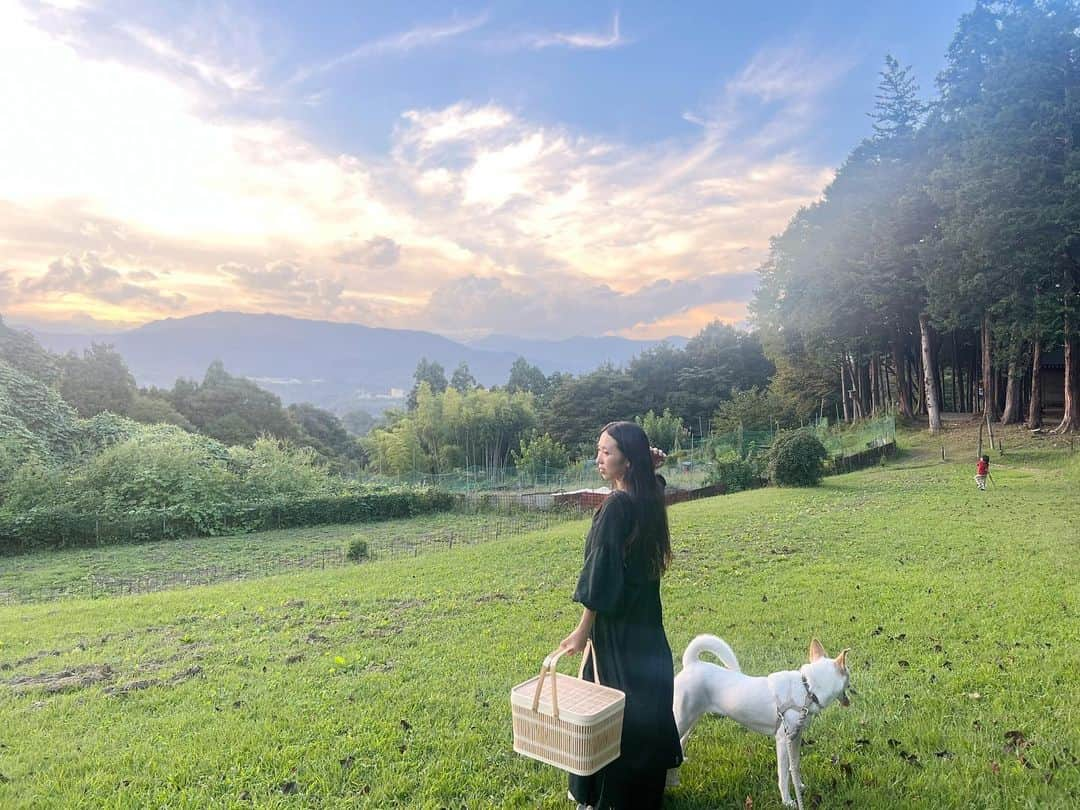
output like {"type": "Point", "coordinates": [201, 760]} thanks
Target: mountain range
{"type": "Point", "coordinates": [338, 366]}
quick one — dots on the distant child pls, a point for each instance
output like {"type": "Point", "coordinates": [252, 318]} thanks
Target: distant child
{"type": "Point", "coordinates": [982, 469]}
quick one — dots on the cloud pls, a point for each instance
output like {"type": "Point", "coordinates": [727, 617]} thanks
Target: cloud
{"type": "Point", "coordinates": [571, 305]}
{"type": "Point", "coordinates": [379, 251]}
{"type": "Point", "coordinates": [403, 42]}
{"type": "Point", "coordinates": [88, 277]}
{"type": "Point", "coordinates": [283, 281]}
{"type": "Point", "coordinates": [471, 200]}
{"type": "Point", "coordinates": [580, 40]}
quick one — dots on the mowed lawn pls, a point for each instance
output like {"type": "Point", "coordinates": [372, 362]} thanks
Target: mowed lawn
{"type": "Point", "coordinates": [386, 684]}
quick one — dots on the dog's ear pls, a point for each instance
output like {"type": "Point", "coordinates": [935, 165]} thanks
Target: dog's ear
{"type": "Point", "coordinates": [816, 650]}
{"type": "Point", "coordinates": [841, 659]}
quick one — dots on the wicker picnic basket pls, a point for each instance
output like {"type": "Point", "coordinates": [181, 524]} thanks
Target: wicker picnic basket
{"type": "Point", "coordinates": [571, 723]}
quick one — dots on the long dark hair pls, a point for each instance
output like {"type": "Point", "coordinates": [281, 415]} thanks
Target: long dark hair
{"type": "Point", "coordinates": [645, 491]}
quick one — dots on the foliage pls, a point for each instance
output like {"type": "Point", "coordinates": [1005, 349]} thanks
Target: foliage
{"type": "Point", "coordinates": [735, 474]}
{"type": "Point", "coordinates": [448, 430]}
{"type": "Point", "coordinates": [359, 422]}
{"type": "Point", "coordinates": [36, 421]}
{"type": "Point", "coordinates": [430, 373]}
{"type": "Point", "coordinates": [161, 468]}
{"type": "Point", "coordinates": [528, 378]}
{"type": "Point", "coordinates": [98, 381]}
{"type": "Point", "coordinates": [231, 409]}
{"type": "Point", "coordinates": [325, 433]}
{"type": "Point", "coordinates": [153, 407]}
{"type": "Point", "coordinates": [357, 550]}
{"type": "Point", "coordinates": [796, 459]}
{"type": "Point", "coordinates": [462, 379]}
{"type": "Point", "coordinates": [753, 409]}
{"type": "Point", "coordinates": [540, 456]}
{"type": "Point", "coordinates": [272, 468]}
{"type": "Point", "coordinates": [665, 431]}
{"type": "Point", "coordinates": [21, 351]}
{"type": "Point", "coordinates": [67, 525]}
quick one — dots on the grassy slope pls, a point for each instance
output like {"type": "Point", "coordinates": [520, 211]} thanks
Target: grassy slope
{"type": "Point", "coordinates": [386, 685]}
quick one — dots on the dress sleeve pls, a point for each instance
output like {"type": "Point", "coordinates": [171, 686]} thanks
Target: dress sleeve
{"type": "Point", "coordinates": [600, 585]}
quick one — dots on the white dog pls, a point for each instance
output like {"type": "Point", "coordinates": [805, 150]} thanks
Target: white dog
{"type": "Point", "coordinates": [780, 705]}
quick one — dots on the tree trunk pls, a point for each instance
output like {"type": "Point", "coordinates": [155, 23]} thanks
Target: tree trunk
{"type": "Point", "coordinates": [990, 410]}
{"type": "Point", "coordinates": [1071, 420]}
{"type": "Point", "coordinates": [929, 375]}
{"type": "Point", "coordinates": [919, 375]}
{"type": "Point", "coordinates": [1010, 414]}
{"type": "Point", "coordinates": [843, 389]}
{"type": "Point", "coordinates": [903, 390]}
{"type": "Point", "coordinates": [957, 384]}
{"type": "Point", "coordinates": [1034, 419]}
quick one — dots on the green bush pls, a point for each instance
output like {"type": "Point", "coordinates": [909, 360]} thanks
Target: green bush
{"type": "Point", "coordinates": [796, 459]}
{"type": "Point", "coordinates": [540, 457]}
{"type": "Point", "coordinates": [735, 475]}
{"type": "Point", "coordinates": [358, 550]}
{"type": "Point", "coordinates": [273, 468]}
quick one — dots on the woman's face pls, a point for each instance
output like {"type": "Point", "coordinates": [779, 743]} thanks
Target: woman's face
{"type": "Point", "coordinates": [610, 460]}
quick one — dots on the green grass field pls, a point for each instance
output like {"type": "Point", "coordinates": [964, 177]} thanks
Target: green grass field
{"type": "Point", "coordinates": [386, 684]}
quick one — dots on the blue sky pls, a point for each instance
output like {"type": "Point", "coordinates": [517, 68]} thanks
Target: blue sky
{"type": "Point", "coordinates": [543, 169]}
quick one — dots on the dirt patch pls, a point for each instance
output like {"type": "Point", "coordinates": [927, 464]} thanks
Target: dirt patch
{"type": "Point", "coordinates": [146, 683]}
{"type": "Point", "coordinates": [65, 680]}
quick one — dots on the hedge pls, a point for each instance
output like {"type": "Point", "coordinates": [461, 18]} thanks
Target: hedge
{"type": "Point", "coordinates": [63, 527]}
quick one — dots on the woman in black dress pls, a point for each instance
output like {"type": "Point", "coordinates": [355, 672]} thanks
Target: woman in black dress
{"type": "Point", "coordinates": [627, 551]}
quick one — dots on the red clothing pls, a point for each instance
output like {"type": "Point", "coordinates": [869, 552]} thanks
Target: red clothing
{"type": "Point", "coordinates": [982, 468]}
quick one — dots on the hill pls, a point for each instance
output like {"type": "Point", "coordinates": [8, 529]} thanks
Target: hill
{"type": "Point", "coordinates": [337, 366]}
{"type": "Point", "coordinates": [386, 684]}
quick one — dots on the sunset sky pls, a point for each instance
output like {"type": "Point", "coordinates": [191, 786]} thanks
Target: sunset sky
{"type": "Point", "coordinates": [543, 169]}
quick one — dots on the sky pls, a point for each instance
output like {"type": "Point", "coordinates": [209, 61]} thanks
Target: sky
{"type": "Point", "coordinates": [542, 169]}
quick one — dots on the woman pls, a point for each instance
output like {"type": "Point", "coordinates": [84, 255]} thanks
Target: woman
{"type": "Point", "coordinates": [627, 550]}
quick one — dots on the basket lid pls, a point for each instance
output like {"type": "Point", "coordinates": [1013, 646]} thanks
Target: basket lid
{"type": "Point", "coordinates": [580, 701]}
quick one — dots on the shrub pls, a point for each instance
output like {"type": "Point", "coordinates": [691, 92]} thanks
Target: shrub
{"type": "Point", "coordinates": [541, 456]}
{"type": "Point", "coordinates": [274, 468]}
{"type": "Point", "coordinates": [358, 550]}
{"type": "Point", "coordinates": [796, 459]}
{"type": "Point", "coordinates": [734, 475]}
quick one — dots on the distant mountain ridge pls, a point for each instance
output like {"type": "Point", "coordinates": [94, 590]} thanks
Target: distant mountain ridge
{"type": "Point", "coordinates": [576, 355]}
{"type": "Point", "coordinates": [338, 366]}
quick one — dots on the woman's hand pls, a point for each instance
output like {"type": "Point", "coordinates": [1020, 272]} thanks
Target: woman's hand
{"type": "Point", "coordinates": [658, 457]}
{"type": "Point", "coordinates": [575, 642]}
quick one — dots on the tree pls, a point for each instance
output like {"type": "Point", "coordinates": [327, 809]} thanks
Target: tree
{"type": "Point", "coordinates": [232, 409]}
{"type": "Point", "coordinates": [153, 407]}
{"type": "Point", "coordinates": [22, 352]}
{"type": "Point", "coordinates": [324, 432]}
{"type": "Point", "coordinates": [428, 372]}
{"type": "Point", "coordinates": [897, 110]}
{"type": "Point", "coordinates": [526, 377]}
{"type": "Point", "coordinates": [540, 457]}
{"type": "Point", "coordinates": [462, 380]}
{"type": "Point", "coordinates": [98, 381]}
{"type": "Point", "coordinates": [665, 431]}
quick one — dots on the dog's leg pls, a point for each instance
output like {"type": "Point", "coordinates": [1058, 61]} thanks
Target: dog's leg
{"type": "Point", "coordinates": [796, 760]}
{"type": "Point", "coordinates": [783, 774]}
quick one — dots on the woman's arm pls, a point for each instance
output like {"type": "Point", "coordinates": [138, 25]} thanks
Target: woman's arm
{"type": "Point", "coordinates": [575, 642]}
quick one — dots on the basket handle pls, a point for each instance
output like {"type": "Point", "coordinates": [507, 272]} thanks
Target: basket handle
{"type": "Point", "coordinates": [548, 668]}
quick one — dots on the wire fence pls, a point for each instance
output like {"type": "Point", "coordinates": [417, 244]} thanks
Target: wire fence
{"type": "Point", "coordinates": [688, 466]}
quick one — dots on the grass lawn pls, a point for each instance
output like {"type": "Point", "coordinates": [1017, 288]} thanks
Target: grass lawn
{"type": "Point", "coordinates": [386, 685]}
{"type": "Point", "coordinates": [205, 560]}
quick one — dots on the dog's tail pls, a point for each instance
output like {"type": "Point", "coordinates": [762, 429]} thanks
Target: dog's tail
{"type": "Point", "coordinates": [717, 646]}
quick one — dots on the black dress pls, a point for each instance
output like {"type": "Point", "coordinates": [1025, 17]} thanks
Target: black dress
{"type": "Point", "coordinates": [633, 655]}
